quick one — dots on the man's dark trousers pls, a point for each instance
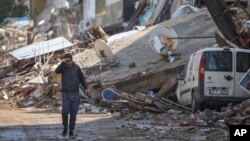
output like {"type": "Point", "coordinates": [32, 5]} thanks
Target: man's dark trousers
{"type": "Point", "coordinates": [70, 105]}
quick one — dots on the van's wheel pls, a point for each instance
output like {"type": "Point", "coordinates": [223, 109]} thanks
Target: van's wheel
{"type": "Point", "coordinates": [195, 105]}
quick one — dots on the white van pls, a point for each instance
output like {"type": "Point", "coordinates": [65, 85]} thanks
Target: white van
{"type": "Point", "coordinates": [211, 77]}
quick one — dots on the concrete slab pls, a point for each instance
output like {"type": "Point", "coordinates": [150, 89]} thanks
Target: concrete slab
{"type": "Point", "coordinates": [136, 49]}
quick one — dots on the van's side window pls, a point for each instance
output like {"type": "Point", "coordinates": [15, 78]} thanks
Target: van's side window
{"type": "Point", "coordinates": [243, 61]}
{"type": "Point", "coordinates": [218, 61]}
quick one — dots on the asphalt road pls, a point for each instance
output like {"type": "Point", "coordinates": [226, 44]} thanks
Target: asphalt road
{"type": "Point", "coordinates": [40, 125]}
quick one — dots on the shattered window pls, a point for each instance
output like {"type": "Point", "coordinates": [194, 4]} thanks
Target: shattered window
{"type": "Point", "coordinates": [243, 62]}
{"type": "Point", "coordinates": [218, 61]}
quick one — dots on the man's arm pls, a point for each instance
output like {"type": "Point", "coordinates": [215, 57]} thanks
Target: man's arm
{"type": "Point", "coordinates": [82, 79]}
{"type": "Point", "coordinates": [60, 68]}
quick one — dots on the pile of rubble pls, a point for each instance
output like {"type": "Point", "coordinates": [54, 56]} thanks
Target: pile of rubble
{"type": "Point", "coordinates": [122, 103]}
{"type": "Point", "coordinates": [134, 106]}
{"type": "Point", "coordinates": [238, 114]}
{"type": "Point", "coordinates": [87, 38]}
{"type": "Point", "coordinates": [31, 81]}
{"type": "Point", "coordinates": [18, 87]}
{"type": "Point", "coordinates": [15, 33]}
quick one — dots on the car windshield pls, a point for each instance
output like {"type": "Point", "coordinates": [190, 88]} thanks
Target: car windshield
{"type": "Point", "coordinates": [218, 61]}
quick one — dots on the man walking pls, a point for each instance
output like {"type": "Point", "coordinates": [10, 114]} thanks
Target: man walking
{"type": "Point", "coordinates": [72, 77]}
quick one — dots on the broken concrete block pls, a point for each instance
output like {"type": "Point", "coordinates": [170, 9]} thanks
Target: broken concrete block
{"type": "Point", "coordinates": [170, 84]}
{"type": "Point", "coordinates": [246, 111]}
{"type": "Point", "coordinates": [148, 100]}
{"type": "Point", "coordinates": [229, 113]}
{"type": "Point", "coordinates": [140, 96]}
{"type": "Point", "coordinates": [237, 120]}
{"type": "Point", "coordinates": [207, 114]}
{"type": "Point", "coordinates": [245, 104]}
{"type": "Point", "coordinates": [124, 112]}
{"type": "Point", "coordinates": [236, 108]}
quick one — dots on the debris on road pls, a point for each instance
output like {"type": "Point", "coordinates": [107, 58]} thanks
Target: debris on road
{"type": "Point", "coordinates": [238, 114]}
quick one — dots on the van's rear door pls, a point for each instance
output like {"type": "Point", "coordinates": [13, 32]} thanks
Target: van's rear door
{"type": "Point", "coordinates": [242, 66]}
{"type": "Point", "coordinates": [219, 73]}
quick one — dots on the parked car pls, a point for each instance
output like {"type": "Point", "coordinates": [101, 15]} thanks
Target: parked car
{"type": "Point", "coordinates": [211, 77]}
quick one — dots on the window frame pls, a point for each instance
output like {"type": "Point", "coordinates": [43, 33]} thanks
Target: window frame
{"type": "Point", "coordinates": [207, 61]}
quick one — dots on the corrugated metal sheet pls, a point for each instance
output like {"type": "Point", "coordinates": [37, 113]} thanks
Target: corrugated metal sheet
{"type": "Point", "coordinates": [41, 48]}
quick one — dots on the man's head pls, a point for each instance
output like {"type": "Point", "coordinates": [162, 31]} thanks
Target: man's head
{"type": "Point", "coordinates": [67, 59]}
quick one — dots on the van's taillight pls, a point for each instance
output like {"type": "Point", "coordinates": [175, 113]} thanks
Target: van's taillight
{"type": "Point", "coordinates": [202, 71]}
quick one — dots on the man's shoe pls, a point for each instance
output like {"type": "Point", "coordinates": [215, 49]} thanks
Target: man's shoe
{"type": "Point", "coordinates": [64, 133]}
{"type": "Point", "coordinates": [71, 133]}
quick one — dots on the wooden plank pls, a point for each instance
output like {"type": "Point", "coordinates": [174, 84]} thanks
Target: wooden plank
{"type": "Point", "coordinates": [176, 104]}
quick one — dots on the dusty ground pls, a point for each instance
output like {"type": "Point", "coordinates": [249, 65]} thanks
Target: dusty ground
{"type": "Point", "coordinates": [30, 124]}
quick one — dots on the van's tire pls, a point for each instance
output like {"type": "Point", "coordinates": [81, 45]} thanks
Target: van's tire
{"type": "Point", "coordinates": [195, 106]}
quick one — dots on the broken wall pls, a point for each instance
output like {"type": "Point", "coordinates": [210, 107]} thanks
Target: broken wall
{"type": "Point", "coordinates": [151, 81]}
{"type": "Point", "coordinates": [112, 14]}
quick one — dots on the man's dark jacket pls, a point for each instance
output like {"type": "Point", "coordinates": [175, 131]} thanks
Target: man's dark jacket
{"type": "Point", "coordinates": [71, 77]}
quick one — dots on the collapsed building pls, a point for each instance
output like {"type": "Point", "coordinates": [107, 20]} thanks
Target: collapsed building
{"type": "Point", "coordinates": [134, 68]}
